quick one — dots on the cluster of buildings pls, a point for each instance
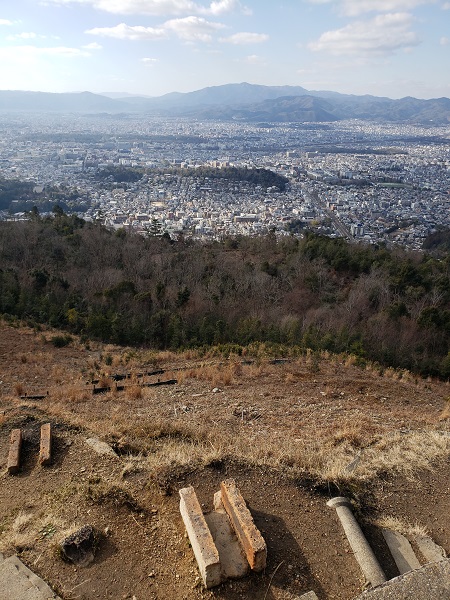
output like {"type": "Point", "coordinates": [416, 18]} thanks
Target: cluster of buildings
{"type": "Point", "coordinates": [359, 180]}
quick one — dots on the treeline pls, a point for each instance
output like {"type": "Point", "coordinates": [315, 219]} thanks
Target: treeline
{"type": "Point", "coordinates": [320, 293]}
{"type": "Point", "coordinates": [263, 177]}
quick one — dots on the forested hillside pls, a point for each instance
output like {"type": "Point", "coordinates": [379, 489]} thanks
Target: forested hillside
{"type": "Point", "coordinates": [389, 306]}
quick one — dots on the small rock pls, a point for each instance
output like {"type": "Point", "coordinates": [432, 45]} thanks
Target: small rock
{"type": "Point", "coordinates": [79, 548]}
{"type": "Point", "coordinates": [215, 390]}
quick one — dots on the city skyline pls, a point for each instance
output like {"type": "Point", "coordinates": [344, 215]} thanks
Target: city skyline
{"type": "Point", "coordinates": [393, 48]}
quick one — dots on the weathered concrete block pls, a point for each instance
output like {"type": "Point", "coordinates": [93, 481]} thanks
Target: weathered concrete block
{"type": "Point", "coordinates": [202, 542]}
{"type": "Point", "coordinates": [401, 551]}
{"type": "Point", "coordinates": [15, 446]}
{"type": "Point", "coordinates": [242, 521]}
{"type": "Point", "coordinates": [431, 551]}
{"type": "Point", "coordinates": [45, 450]}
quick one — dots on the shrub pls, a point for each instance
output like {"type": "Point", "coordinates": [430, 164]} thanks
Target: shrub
{"type": "Point", "coordinates": [59, 341]}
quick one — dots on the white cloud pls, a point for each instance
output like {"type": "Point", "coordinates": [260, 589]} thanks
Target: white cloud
{"type": "Point", "coordinates": [127, 32]}
{"type": "Point", "coordinates": [384, 34]}
{"type": "Point", "coordinates": [446, 6]}
{"type": "Point", "coordinates": [5, 22]}
{"type": "Point", "coordinates": [193, 29]}
{"type": "Point", "coordinates": [444, 41]}
{"type": "Point", "coordinates": [358, 7]}
{"type": "Point", "coordinates": [20, 53]}
{"type": "Point", "coordinates": [23, 36]}
{"type": "Point", "coordinates": [93, 46]}
{"type": "Point", "coordinates": [158, 7]}
{"type": "Point", "coordinates": [253, 59]}
{"type": "Point", "coordinates": [226, 6]}
{"type": "Point", "coordinates": [245, 37]}
{"type": "Point", "coordinates": [149, 62]}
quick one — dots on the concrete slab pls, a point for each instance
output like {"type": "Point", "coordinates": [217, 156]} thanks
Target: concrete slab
{"type": "Point", "coordinates": [401, 551]}
{"type": "Point", "coordinates": [18, 582]}
{"type": "Point", "coordinates": [431, 582]}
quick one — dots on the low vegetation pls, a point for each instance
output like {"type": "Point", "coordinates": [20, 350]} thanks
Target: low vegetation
{"type": "Point", "coordinates": [288, 295]}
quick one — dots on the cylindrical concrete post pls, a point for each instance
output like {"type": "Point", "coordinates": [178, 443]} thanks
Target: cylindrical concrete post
{"type": "Point", "coordinates": [363, 552]}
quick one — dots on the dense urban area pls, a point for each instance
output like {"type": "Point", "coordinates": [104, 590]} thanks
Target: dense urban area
{"type": "Point", "coordinates": [371, 182]}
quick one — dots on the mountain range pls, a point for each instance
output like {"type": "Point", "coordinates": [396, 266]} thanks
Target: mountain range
{"type": "Point", "coordinates": [240, 102]}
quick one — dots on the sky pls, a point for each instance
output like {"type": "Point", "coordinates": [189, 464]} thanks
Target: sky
{"type": "Point", "coordinates": [393, 48]}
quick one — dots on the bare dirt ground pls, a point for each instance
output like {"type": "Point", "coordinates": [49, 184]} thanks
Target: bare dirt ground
{"type": "Point", "coordinates": [291, 433]}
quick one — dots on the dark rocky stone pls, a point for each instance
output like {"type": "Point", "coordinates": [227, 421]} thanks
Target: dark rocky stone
{"type": "Point", "coordinates": [80, 547]}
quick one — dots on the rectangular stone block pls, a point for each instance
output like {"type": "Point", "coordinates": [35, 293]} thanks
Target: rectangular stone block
{"type": "Point", "coordinates": [242, 521]}
{"type": "Point", "coordinates": [401, 551]}
{"type": "Point", "coordinates": [202, 542]}
{"type": "Point", "coordinates": [45, 450]}
{"type": "Point", "coordinates": [15, 445]}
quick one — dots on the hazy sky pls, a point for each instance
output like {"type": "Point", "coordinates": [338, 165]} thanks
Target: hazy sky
{"type": "Point", "coordinates": [389, 48]}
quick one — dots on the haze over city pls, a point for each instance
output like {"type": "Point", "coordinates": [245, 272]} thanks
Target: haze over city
{"type": "Point", "coordinates": [391, 48]}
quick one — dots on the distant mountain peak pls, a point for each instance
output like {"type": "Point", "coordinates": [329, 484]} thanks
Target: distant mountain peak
{"type": "Point", "coordinates": [242, 101]}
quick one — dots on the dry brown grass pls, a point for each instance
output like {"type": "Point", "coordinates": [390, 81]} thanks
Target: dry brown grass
{"type": "Point", "coordinates": [401, 526]}
{"type": "Point", "coordinates": [220, 374]}
{"type": "Point", "coordinates": [445, 414]}
{"type": "Point", "coordinates": [104, 381]}
{"type": "Point", "coordinates": [70, 394]}
{"type": "Point", "coordinates": [134, 392]}
{"type": "Point", "coordinates": [19, 389]}
{"type": "Point", "coordinates": [355, 433]}
{"type": "Point", "coordinates": [29, 529]}
{"type": "Point", "coordinates": [186, 427]}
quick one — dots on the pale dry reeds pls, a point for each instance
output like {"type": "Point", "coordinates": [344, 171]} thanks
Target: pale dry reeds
{"type": "Point", "coordinates": [401, 526]}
